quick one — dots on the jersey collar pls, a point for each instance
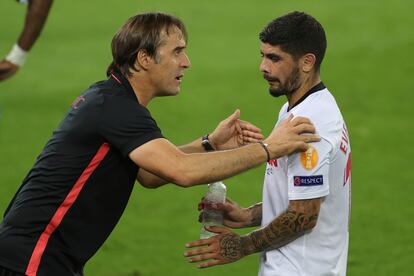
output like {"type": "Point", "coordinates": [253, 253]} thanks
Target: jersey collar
{"type": "Point", "coordinates": [316, 88]}
{"type": "Point", "coordinates": [119, 79]}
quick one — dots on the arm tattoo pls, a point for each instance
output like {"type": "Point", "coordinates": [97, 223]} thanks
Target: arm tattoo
{"type": "Point", "coordinates": [290, 225]}
{"type": "Point", "coordinates": [255, 215]}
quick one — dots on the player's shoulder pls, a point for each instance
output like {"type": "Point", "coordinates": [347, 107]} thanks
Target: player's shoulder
{"type": "Point", "coordinates": [320, 107]}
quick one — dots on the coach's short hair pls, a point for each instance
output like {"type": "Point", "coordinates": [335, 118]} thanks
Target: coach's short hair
{"type": "Point", "coordinates": [140, 32]}
{"type": "Point", "coordinates": [296, 33]}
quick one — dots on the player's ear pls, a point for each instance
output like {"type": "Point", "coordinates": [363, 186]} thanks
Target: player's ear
{"type": "Point", "coordinates": [143, 60]}
{"type": "Point", "coordinates": [308, 62]}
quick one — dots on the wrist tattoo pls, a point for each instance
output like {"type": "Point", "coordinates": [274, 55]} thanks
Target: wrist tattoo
{"type": "Point", "coordinates": [256, 215]}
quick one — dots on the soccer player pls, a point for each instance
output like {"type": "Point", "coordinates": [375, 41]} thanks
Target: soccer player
{"type": "Point", "coordinates": [37, 12]}
{"type": "Point", "coordinates": [305, 210]}
{"type": "Point", "coordinates": [77, 190]}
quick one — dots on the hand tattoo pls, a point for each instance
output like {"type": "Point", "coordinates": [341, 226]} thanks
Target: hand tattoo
{"type": "Point", "coordinates": [230, 247]}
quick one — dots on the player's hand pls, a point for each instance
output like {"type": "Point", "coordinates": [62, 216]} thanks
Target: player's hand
{"type": "Point", "coordinates": [233, 215]}
{"type": "Point", "coordinates": [233, 133]}
{"type": "Point", "coordinates": [7, 69]}
{"type": "Point", "coordinates": [291, 135]}
{"type": "Point", "coordinates": [221, 249]}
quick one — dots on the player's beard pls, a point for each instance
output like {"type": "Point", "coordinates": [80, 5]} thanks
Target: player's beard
{"type": "Point", "coordinates": [291, 84]}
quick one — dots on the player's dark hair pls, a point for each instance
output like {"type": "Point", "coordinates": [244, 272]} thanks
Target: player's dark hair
{"type": "Point", "coordinates": [296, 33]}
{"type": "Point", "coordinates": [140, 32]}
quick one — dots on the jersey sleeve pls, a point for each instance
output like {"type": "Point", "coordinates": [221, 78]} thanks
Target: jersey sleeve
{"type": "Point", "coordinates": [308, 172]}
{"type": "Point", "coordinates": [127, 125]}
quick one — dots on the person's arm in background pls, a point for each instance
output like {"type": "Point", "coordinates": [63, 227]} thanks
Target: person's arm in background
{"type": "Point", "coordinates": [37, 12]}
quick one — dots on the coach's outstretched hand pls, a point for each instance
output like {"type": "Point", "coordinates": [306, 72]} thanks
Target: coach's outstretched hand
{"type": "Point", "coordinates": [233, 133]}
{"type": "Point", "coordinates": [290, 136]}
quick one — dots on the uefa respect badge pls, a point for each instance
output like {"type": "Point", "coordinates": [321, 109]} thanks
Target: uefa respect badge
{"type": "Point", "coordinates": [309, 158]}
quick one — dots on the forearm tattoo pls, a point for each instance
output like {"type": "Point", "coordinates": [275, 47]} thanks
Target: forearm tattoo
{"type": "Point", "coordinates": [256, 215]}
{"type": "Point", "coordinates": [230, 247]}
{"type": "Point", "coordinates": [284, 229]}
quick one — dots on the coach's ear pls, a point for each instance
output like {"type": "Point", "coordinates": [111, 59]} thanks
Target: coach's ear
{"type": "Point", "coordinates": [308, 62]}
{"type": "Point", "coordinates": [143, 60]}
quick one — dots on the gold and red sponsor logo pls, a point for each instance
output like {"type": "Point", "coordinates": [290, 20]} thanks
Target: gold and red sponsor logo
{"type": "Point", "coordinates": [309, 158]}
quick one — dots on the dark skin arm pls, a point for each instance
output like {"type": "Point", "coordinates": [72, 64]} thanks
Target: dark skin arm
{"type": "Point", "coordinates": [36, 16]}
{"type": "Point", "coordinates": [300, 217]}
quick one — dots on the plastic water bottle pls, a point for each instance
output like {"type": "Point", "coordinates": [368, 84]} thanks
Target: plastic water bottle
{"type": "Point", "coordinates": [216, 193]}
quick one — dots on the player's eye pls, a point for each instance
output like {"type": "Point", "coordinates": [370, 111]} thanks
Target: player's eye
{"type": "Point", "coordinates": [274, 58]}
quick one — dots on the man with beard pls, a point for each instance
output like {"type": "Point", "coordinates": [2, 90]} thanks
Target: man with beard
{"type": "Point", "coordinates": [305, 210]}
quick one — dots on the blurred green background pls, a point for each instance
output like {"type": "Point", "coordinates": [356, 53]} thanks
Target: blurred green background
{"type": "Point", "coordinates": [368, 67]}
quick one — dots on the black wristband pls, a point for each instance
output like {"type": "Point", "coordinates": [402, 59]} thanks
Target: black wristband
{"type": "Point", "coordinates": [264, 146]}
{"type": "Point", "coordinates": [205, 142]}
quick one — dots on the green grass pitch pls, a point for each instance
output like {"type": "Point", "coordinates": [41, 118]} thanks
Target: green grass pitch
{"type": "Point", "coordinates": [368, 67]}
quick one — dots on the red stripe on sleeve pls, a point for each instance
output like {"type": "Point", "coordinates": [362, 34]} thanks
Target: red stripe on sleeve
{"type": "Point", "coordinates": [63, 208]}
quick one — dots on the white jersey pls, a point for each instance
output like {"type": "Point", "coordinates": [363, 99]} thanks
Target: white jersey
{"type": "Point", "coordinates": [322, 171]}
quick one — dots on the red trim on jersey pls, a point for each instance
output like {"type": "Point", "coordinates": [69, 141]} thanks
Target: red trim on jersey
{"type": "Point", "coordinates": [63, 208]}
{"type": "Point", "coordinates": [348, 169]}
{"type": "Point", "coordinates": [112, 75]}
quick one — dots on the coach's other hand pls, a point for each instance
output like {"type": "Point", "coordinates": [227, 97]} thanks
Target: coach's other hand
{"type": "Point", "coordinates": [290, 136]}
